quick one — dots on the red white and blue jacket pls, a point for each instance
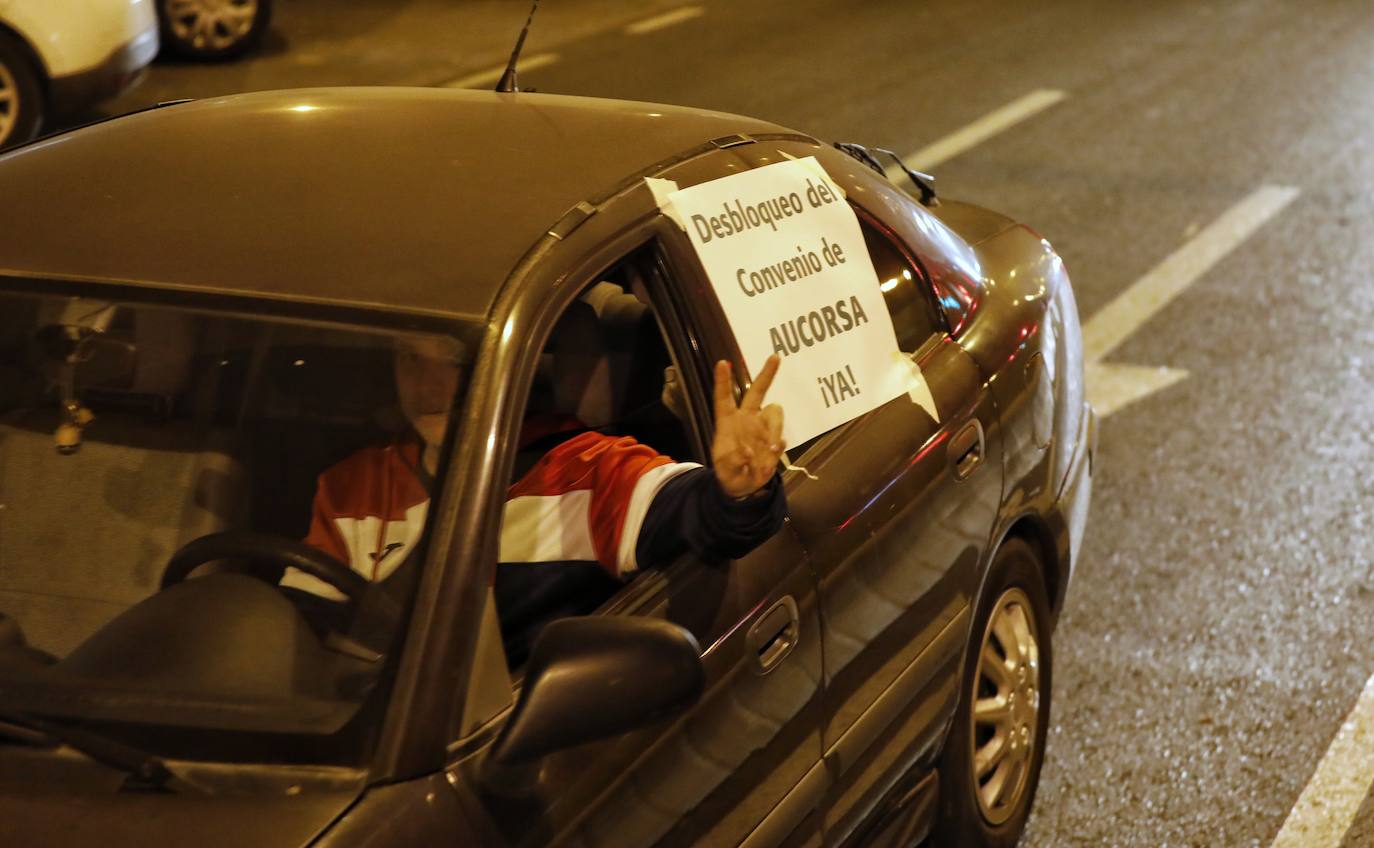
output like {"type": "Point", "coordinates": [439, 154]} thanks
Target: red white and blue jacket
{"type": "Point", "coordinates": [594, 498]}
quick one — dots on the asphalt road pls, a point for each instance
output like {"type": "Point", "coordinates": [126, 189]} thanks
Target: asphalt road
{"type": "Point", "coordinates": [1217, 632]}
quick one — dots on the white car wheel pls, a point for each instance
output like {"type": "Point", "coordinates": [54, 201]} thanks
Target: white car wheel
{"type": "Point", "coordinates": [213, 29]}
{"type": "Point", "coordinates": [21, 95]}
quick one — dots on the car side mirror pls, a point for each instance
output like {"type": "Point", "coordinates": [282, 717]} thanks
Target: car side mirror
{"type": "Point", "coordinates": [594, 677]}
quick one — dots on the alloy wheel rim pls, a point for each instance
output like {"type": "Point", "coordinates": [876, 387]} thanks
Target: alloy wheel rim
{"type": "Point", "coordinates": [9, 103]}
{"type": "Point", "coordinates": [1006, 708]}
{"type": "Point", "coordinates": [211, 24]}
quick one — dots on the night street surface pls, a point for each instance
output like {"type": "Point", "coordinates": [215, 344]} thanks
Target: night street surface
{"type": "Point", "coordinates": [1218, 628]}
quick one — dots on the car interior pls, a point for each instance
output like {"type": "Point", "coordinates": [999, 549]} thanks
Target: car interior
{"type": "Point", "coordinates": [209, 423]}
{"type": "Point", "coordinates": [129, 431]}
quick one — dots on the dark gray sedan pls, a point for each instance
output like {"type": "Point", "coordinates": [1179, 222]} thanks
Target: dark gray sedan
{"type": "Point", "coordinates": [191, 340]}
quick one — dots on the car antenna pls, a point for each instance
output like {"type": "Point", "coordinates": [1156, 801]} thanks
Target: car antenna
{"type": "Point", "coordinates": [507, 83]}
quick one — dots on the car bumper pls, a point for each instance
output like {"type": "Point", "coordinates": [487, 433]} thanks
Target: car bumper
{"type": "Point", "coordinates": [1074, 497]}
{"type": "Point", "coordinates": [121, 71]}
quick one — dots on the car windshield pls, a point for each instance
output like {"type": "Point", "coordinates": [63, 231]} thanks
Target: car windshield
{"type": "Point", "coordinates": [211, 524]}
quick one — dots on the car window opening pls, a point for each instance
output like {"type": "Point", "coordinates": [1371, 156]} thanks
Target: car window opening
{"type": "Point", "coordinates": [605, 369]}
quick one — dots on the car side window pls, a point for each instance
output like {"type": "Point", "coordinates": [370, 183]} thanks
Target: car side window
{"type": "Point", "coordinates": [914, 319]}
{"type": "Point", "coordinates": [605, 405]}
{"type": "Point", "coordinates": [913, 316]}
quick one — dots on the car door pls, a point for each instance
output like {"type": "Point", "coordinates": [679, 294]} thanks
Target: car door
{"type": "Point", "coordinates": [897, 521]}
{"type": "Point", "coordinates": [742, 764]}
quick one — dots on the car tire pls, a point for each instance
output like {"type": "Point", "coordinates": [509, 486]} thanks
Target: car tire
{"type": "Point", "coordinates": [193, 29]}
{"type": "Point", "coordinates": [21, 94]}
{"type": "Point", "coordinates": [1012, 623]}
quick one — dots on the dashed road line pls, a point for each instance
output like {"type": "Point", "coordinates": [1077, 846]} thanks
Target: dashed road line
{"type": "Point", "coordinates": [1140, 302]}
{"type": "Point", "coordinates": [979, 131]}
{"type": "Point", "coordinates": [1328, 804]}
{"type": "Point", "coordinates": [665, 20]}
{"type": "Point", "coordinates": [1111, 387]}
{"type": "Point", "coordinates": [490, 76]}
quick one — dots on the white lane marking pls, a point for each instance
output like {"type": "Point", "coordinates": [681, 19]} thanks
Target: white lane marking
{"type": "Point", "coordinates": [1167, 280]}
{"type": "Point", "coordinates": [1327, 806]}
{"type": "Point", "coordinates": [1111, 387]}
{"type": "Point", "coordinates": [979, 131]}
{"type": "Point", "coordinates": [489, 77]}
{"type": "Point", "coordinates": [665, 20]}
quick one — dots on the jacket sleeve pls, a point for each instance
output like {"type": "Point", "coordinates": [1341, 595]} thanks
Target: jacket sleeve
{"type": "Point", "coordinates": [691, 513]}
{"type": "Point", "coordinates": [620, 503]}
{"type": "Point", "coordinates": [585, 500]}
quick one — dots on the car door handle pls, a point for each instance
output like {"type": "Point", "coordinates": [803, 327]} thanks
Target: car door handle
{"type": "Point", "coordinates": [773, 636]}
{"type": "Point", "coordinates": [966, 449]}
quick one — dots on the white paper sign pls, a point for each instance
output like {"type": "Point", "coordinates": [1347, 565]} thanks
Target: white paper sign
{"type": "Point", "coordinates": [786, 258]}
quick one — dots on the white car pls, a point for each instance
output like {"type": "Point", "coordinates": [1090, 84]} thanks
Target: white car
{"type": "Point", "coordinates": [59, 56]}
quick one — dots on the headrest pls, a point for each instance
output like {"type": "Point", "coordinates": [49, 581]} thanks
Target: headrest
{"type": "Point", "coordinates": [634, 345]}
{"type": "Point", "coordinates": [581, 371]}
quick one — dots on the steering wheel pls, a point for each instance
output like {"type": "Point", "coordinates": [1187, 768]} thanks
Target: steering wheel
{"type": "Point", "coordinates": [249, 544]}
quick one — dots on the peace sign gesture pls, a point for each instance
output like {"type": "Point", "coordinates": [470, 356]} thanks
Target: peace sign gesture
{"type": "Point", "coordinates": [748, 441]}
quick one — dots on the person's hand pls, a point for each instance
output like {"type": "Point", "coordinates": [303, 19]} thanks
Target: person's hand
{"type": "Point", "coordinates": [748, 441]}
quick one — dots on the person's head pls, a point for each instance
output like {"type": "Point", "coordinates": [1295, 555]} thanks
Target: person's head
{"type": "Point", "coordinates": [429, 372]}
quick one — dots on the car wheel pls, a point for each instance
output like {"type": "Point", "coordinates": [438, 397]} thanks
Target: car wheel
{"type": "Point", "coordinates": [21, 94]}
{"type": "Point", "coordinates": [991, 761]}
{"type": "Point", "coordinates": [213, 29]}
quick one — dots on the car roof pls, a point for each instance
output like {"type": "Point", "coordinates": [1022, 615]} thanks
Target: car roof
{"type": "Point", "coordinates": [415, 199]}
